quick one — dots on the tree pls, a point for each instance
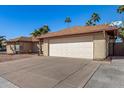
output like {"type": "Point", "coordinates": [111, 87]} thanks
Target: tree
{"type": "Point", "coordinates": [120, 9]}
{"type": "Point", "coordinates": [89, 23]}
{"type": "Point", "coordinates": [2, 39]}
{"type": "Point", "coordinates": [121, 33]}
{"type": "Point", "coordinates": [68, 21]}
{"type": "Point", "coordinates": [93, 20]}
{"type": "Point", "coordinates": [43, 30]}
{"type": "Point", "coordinates": [121, 30]}
{"type": "Point", "coordinates": [35, 33]}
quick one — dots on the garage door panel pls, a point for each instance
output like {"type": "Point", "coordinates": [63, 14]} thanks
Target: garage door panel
{"type": "Point", "coordinates": [73, 49]}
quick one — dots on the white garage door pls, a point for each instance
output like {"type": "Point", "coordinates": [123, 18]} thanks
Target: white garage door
{"type": "Point", "coordinates": [77, 47]}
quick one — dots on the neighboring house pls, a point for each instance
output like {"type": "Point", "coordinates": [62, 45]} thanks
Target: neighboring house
{"type": "Point", "coordinates": [89, 42]}
{"type": "Point", "coordinates": [22, 45]}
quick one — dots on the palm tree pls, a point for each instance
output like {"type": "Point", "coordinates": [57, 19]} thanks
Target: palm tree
{"type": "Point", "coordinates": [43, 30]}
{"type": "Point", "coordinates": [89, 23]}
{"type": "Point", "coordinates": [95, 18]}
{"type": "Point", "coordinates": [68, 21]}
{"type": "Point", "coordinates": [35, 33]}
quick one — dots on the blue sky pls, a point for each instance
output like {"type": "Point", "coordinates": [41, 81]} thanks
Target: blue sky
{"type": "Point", "coordinates": [22, 20]}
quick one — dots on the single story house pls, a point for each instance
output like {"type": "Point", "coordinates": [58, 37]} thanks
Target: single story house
{"type": "Point", "coordinates": [22, 45]}
{"type": "Point", "coordinates": [89, 42]}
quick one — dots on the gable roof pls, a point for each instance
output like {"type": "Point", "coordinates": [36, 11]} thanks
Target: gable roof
{"type": "Point", "coordinates": [23, 39]}
{"type": "Point", "coordinates": [79, 30]}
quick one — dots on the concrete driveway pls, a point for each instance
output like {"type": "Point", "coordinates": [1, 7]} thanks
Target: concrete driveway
{"type": "Point", "coordinates": [109, 75]}
{"type": "Point", "coordinates": [47, 72]}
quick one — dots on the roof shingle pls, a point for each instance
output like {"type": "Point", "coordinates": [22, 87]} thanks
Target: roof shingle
{"type": "Point", "coordinates": [23, 39]}
{"type": "Point", "coordinates": [79, 30]}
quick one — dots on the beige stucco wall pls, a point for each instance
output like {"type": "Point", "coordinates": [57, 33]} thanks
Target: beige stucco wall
{"type": "Point", "coordinates": [99, 43]}
{"type": "Point", "coordinates": [107, 45]}
{"type": "Point", "coordinates": [25, 47]}
{"type": "Point", "coordinates": [10, 48]}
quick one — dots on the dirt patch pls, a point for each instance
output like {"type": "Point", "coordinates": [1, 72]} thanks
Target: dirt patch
{"type": "Point", "coordinates": [5, 57]}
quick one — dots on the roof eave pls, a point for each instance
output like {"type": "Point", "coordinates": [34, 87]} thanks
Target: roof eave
{"type": "Point", "coordinates": [96, 31]}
